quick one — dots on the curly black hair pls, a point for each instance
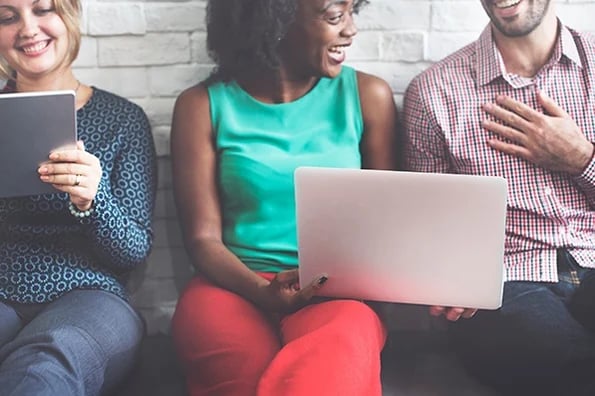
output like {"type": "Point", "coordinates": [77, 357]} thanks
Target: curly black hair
{"type": "Point", "coordinates": [243, 35]}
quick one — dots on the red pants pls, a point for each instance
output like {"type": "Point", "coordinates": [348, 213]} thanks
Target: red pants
{"type": "Point", "coordinates": [228, 347]}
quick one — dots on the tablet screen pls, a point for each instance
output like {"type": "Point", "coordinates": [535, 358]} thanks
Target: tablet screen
{"type": "Point", "coordinates": [32, 125]}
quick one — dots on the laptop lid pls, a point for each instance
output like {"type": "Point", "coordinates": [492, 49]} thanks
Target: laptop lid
{"type": "Point", "coordinates": [406, 237]}
{"type": "Point", "coordinates": [33, 124]}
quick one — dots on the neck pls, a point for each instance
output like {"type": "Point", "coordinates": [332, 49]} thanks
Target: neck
{"type": "Point", "coordinates": [526, 55]}
{"type": "Point", "coordinates": [52, 82]}
{"type": "Point", "coordinates": [277, 88]}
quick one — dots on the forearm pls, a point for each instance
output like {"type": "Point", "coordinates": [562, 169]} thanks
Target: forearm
{"type": "Point", "coordinates": [121, 241]}
{"type": "Point", "coordinates": [217, 263]}
{"type": "Point", "coordinates": [120, 225]}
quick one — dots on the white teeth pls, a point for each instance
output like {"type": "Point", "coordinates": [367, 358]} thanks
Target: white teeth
{"type": "Point", "coordinates": [506, 3]}
{"type": "Point", "coordinates": [34, 48]}
{"type": "Point", "coordinates": [338, 50]}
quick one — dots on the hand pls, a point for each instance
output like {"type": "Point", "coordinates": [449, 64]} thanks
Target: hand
{"type": "Point", "coordinates": [283, 294]}
{"type": "Point", "coordinates": [553, 140]}
{"type": "Point", "coordinates": [453, 314]}
{"type": "Point", "coordinates": [73, 171]}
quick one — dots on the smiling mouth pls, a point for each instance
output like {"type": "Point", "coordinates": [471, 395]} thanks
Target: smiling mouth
{"type": "Point", "coordinates": [338, 49]}
{"type": "Point", "coordinates": [506, 3]}
{"type": "Point", "coordinates": [34, 48]}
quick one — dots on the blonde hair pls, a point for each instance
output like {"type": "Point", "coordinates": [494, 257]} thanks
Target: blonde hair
{"type": "Point", "coordinates": [69, 11]}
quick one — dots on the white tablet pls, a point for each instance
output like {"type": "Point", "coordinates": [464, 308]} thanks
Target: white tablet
{"type": "Point", "coordinates": [32, 124]}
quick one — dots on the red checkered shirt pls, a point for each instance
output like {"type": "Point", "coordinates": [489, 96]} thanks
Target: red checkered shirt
{"type": "Point", "coordinates": [442, 133]}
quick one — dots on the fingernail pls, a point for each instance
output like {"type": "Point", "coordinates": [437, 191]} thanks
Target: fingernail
{"type": "Point", "coordinates": [43, 169]}
{"type": "Point", "coordinates": [322, 280]}
{"type": "Point", "coordinates": [54, 156]}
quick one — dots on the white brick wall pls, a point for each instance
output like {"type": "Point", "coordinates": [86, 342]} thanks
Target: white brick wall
{"type": "Point", "coordinates": [150, 50]}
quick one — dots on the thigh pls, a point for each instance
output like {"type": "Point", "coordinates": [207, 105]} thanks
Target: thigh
{"type": "Point", "coordinates": [223, 341]}
{"type": "Point", "coordinates": [89, 335]}
{"type": "Point", "coordinates": [10, 323]}
{"type": "Point", "coordinates": [531, 338]}
{"type": "Point", "coordinates": [335, 317]}
{"type": "Point", "coordinates": [324, 345]}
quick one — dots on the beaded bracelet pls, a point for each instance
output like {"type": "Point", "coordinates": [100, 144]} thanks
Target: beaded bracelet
{"type": "Point", "coordinates": [79, 213]}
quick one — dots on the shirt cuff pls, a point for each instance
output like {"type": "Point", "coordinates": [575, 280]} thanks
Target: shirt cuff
{"type": "Point", "coordinates": [587, 178]}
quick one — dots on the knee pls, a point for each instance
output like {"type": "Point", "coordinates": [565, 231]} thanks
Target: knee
{"type": "Point", "coordinates": [358, 316]}
{"type": "Point", "coordinates": [353, 322]}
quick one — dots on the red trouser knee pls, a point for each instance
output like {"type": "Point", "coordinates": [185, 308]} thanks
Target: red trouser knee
{"type": "Point", "coordinates": [228, 347]}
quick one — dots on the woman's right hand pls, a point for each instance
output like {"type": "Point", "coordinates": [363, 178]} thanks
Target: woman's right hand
{"type": "Point", "coordinates": [283, 293]}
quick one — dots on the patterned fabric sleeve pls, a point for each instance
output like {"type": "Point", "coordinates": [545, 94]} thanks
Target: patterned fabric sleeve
{"type": "Point", "coordinates": [424, 147]}
{"type": "Point", "coordinates": [120, 225]}
{"type": "Point", "coordinates": [587, 182]}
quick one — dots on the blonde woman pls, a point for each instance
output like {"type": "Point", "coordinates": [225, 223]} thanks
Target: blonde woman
{"type": "Point", "coordinates": [66, 327]}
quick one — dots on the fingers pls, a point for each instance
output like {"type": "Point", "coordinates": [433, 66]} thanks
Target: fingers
{"type": "Point", "coordinates": [78, 156]}
{"type": "Point", "coordinates": [511, 149]}
{"type": "Point", "coordinates": [516, 108]}
{"type": "Point", "coordinates": [511, 134]}
{"type": "Point", "coordinates": [306, 293]}
{"type": "Point", "coordinates": [74, 171]}
{"type": "Point", "coordinates": [63, 168]}
{"type": "Point", "coordinates": [284, 289]}
{"type": "Point", "coordinates": [550, 106]}
{"type": "Point", "coordinates": [437, 311]}
{"type": "Point", "coordinates": [469, 313]}
{"type": "Point", "coordinates": [453, 313]}
{"type": "Point", "coordinates": [287, 277]}
{"type": "Point", "coordinates": [510, 118]}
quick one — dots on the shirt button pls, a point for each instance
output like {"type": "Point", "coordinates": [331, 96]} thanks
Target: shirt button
{"type": "Point", "coordinates": [547, 191]}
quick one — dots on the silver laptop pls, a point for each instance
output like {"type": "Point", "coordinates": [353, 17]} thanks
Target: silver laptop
{"type": "Point", "coordinates": [406, 237]}
{"type": "Point", "coordinates": [33, 124]}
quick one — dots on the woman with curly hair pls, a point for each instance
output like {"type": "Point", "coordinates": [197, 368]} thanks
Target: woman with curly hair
{"type": "Point", "coordinates": [279, 98]}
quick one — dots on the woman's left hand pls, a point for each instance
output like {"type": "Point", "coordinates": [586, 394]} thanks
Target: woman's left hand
{"type": "Point", "coordinates": [73, 171]}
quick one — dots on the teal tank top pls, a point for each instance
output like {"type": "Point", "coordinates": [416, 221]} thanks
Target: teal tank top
{"type": "Point", "coordinates": [259, 146]}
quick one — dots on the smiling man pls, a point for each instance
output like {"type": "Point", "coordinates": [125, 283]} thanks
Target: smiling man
{"type": "Point", "coordinates": [520, 103]}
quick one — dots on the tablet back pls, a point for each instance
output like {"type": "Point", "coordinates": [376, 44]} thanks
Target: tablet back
{"type": "Point", "coordinates": [32, 125]}
{"type": "Point", "coordinates": [435, 239]}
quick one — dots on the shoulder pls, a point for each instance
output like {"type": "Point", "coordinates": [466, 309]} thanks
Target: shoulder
{"type": "Point", "coordinates": [460, 65]}
{"type": "Point", "coordinates": [104, 102]}
{"type": "Point", "coordinates": [372, 88]}
{"type": "Point", "coordinates": [586, 37]}
{"type": "Point", "coordinates": [192, 112]}
{"type": "Point", "coordinates": [193, 103]}
{"type": "Point", "coordinates": [193, 96]}
{"type": "Point", "coordinates": [376, 99]}
{"type": "Point", "coordinates": [586, 42]}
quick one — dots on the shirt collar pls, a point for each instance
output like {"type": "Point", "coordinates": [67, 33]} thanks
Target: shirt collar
{"type": "Point", "coordinates": [489, 60]}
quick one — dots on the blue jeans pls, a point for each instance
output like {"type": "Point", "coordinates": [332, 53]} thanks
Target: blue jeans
{"type": "Point", "coordinates": [541, 341]}
{"type": "Point", "coordinates": [83, 343]}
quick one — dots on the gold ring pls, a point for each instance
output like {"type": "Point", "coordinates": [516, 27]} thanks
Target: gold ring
{"type": "Point", "coordinates": [76, 180]}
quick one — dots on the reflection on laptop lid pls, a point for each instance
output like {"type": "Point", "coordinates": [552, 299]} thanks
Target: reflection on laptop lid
{"type": "Point", "coordinates": [33, 124]}
{"type": "Point", "coordinates": [407, 237]}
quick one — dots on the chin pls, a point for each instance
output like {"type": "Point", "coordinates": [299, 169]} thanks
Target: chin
{"type": "Point", "coordinates": [331, 72]}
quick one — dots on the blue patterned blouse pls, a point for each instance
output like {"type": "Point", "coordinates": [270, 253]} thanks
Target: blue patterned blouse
{"type": "Point", "coordinates": [45, 251]}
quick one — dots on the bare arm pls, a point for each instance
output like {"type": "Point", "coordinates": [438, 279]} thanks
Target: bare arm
{"type": "Point", "coordinates": [195, 189]}
{"type": "Point", "coordinates": [194, 167]}
{"type": "Point", "coordinates": [378, 145]}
